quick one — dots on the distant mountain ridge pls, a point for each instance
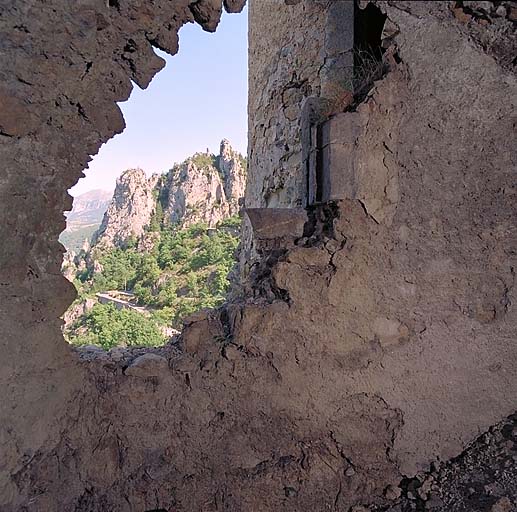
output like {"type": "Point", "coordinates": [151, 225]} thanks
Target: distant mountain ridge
{"type": "Point", "coordinates": [85, 218]}
{"type": "Point", "coordinates": [88, 208]}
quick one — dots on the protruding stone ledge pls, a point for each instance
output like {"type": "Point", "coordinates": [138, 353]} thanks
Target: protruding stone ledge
{"type": "Point", "coordinates": [275, 223]}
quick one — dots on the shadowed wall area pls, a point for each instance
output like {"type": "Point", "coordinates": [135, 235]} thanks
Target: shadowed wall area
{"type": "Point", "coordinates": [374, 337]}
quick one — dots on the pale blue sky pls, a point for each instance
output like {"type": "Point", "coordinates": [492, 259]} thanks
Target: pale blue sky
{"type": "Point", "coordinates": [199, 98]}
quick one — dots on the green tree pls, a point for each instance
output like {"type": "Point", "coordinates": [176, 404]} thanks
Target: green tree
{"type": "Point", "coordinates": [186, 270]}
{"type": "Point", "coordinates": [109, 327]}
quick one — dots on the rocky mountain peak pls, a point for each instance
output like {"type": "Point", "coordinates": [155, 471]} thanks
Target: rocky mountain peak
{"type": "Point", "coordinates": [205, 188]}
{"type": "Point", "coordinates": [226, 151]}
{"type": "Point", "coordinates": [233, 169]}
{"type": "Point", "coordinates": [84, 218]}
{"type": "Point", "coordinates": [130, 210]}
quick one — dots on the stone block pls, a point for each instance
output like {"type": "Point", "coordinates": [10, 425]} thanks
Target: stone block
{"type": "Point", "coordinates": [199, 332]}
{"type": "Point", "coordinates": [337, 164]}
{"type": "Point", "coordinates": [274, 223]}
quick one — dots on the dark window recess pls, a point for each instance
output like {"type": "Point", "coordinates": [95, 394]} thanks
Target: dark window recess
{"type": "Point", "coordinates": [310, 162]}
{"type": "Point", "coordinates": [368, 52]}
{"type": "Point", "coordinates": [320, 176]}
{"type": "Point", "coordinates": [319, 182]}
{"type": "Point", "coordinates": [315, 163]}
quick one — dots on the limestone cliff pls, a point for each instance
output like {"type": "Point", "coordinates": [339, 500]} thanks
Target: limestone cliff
{"type": "Point", "coordinates": [130, 210]}
{"type": "Point", "coordinates": [204, 188]}
{"type": "Point", "coordinates": [233, 170]}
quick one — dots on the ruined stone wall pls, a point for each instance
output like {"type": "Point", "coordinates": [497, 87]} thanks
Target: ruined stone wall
{"type": "Point", "coordinates": [63, 68]}
{"type": "Point", "coordinates": [411, 303]}
{"type": "Point", "coordinates": [283, 73]}
{"type": "Point", "coordinates": [379, 342]}
{"type": "Point", "coordinates": [296, 77]}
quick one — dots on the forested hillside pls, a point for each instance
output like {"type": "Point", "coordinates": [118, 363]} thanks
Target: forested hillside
{"type": "Point", "coordinates": [164, 250]}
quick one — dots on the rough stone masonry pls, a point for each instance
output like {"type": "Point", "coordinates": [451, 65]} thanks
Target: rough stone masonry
{"type": "Point", "coordinates": [369, 349]}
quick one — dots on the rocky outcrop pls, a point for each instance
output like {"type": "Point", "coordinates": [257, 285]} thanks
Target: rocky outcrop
{"type": "Point", "coordinates": [68, 268]}
{"type": "Point", "coordinates": [77, 310]}
{"type": "Point", "coordinates": [232, 167]}
{"type": "Point", "coordinates": [203, 189]}
{"type": "Point", "coordinates": [130, 210]}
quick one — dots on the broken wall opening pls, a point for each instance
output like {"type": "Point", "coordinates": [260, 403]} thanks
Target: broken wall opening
{"type": "Point", "coordinates": [162, 246]}
{"type": "Point", "coordinates": [297, 400]}
{"type": "Point", "coordinates": [369, 64]}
